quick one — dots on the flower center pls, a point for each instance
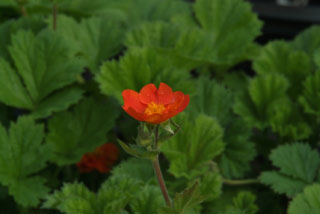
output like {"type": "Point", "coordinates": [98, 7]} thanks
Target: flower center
{"type": "Point", "coordinates": [154, 108]}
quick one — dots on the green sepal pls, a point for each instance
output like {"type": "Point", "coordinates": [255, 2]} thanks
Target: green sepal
{"type": "Point", "coordinates": [169, 132]}
{"type": "Point", "coordinates": [144, 137]}
{"type": "Point", "coordinates": [167, 127]}
{"type": "Point", "coordinates": [139, 151]}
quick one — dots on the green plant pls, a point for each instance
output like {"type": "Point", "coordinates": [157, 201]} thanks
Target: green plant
{"type": "Point", "coordinates": [245, 143]}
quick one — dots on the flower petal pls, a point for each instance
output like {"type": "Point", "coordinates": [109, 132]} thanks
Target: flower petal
{"type": "Point", "coordinates": [177, 101]}
{"type": "Point", "coordinates": [184, 104]}
{"type": "Point", "coordinates": [165, 94]}
{"type": "Point", "coordinates": [181, 101]}
{"type": "Point", "coordinates": [131, 100]}
{"type": "Point", "coordinates": [148, 94]}
{"type": "Point", "coordinates": [136, 115]}
{"type": "Point", "coordinates": [155, 118]}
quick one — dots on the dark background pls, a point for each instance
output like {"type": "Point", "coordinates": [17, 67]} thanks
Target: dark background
{"type": "Point", "coordinates": [282, 22]}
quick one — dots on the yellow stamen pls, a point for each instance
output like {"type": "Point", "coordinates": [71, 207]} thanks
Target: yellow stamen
{"type": "Point", "coordinates": [154, 108]}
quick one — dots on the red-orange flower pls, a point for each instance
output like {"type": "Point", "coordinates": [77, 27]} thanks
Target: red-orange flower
{"type": "Point", "coordinates": [154, 105]}
{"type": "Point", "coordinates": [101, 159]}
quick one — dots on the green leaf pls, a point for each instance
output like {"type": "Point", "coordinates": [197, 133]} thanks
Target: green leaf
{"type": "Point", "coordinates": [306, 202]}
{"type": "Point", "coordinates": [289, 122]}
{"type": "Point", "coordinates": [207, 43]}
{"type": "Point", "coordinates": [12, 26]}
{"type": "Point", "coordinates": [22, 154]}
{"type": "Point", "coordinates": [266, 104]}
{"type": "Point", "coordinates": [139, 169]}
{"type": "Point", "coordinates": [239, 150]}
{"type": "Point", "coordinates": [297, 160]}
{"type": "Point", "coordinates": [232, 25]}
{"type": "Point", "coordinates": [112, 197]}
{"type": "Point", "coordinates": [298, 165]}
{"type": "Point", "coordinates": [199, 141]}
{"type": "Point", "coordinates": [93, 39]}
{"type": "Point", "coordinates": [138, 68]}
{"type": "Point", "coordinates": [282, 184]}
{"type": "Point", "coordinates": [186, 201]}
{"type": "Point", "coordinates": [310, 98]}
{"type": "Point", "coordinates": [234, 202]}
{"type": "Point", "coordinates": [58, 101]}
{"type": "Point", "coordinates": [148, 200]}
{"type": "Point", "coordinates": [257, 105]}
{"type": "Point", "coordinates": [45, 64]}
{"type": "Point", "coordinates": [72, 199]}
{"type": "Point", "coordinates": [213, 100]}
{"type": "Point", "coordinates": [236, 81]}
{"type": "Point", "coordinates": [12, 91]}
{"type": "Point", "coordinates": [243, 203]}
{"type": "Point", "coordinates": [71, 134]}
{"type": "Point", "coordinates": [316, 58]}
{"type": "Point", "coordinates": [116, 193]}
{"type": "Point", "coordinates": [308, 40]}
{"type": "Point", "coordinates": [182, 46]}
{"type": "Point", "coordinates": [134, 11]}
{"type": "Point", "coordinates": [281, 58]}
{"type": "Point", "coordinates": [210, 185]}
{"type": "Point", "coordinates": [139, 151]}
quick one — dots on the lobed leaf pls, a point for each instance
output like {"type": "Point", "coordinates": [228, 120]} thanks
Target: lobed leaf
{"type": "Point", "coordinates": [118, 192]}
{"type": "Point", "coordinates": [264, 93]}
{"type": "Point", "coordinates": [310, 98]}
{"type": "Point", "coordinates": [188, 43]}
{"type": "Point", "coordinates": [306, 202]}
{"type": "Point", "coordinates": [57, 102]}
{"type": "Point", "coordinates": [308, 41]}
{"type": "Point", "coordinates": [71, 134]}
{"type": "Point", "coordinates": [12, 26]}
{"type": "Point", "coordinates": [213, 100]}
{"type": "Point", "coordinates": [199, 141]}
{"type": "Point", "coordinates": [281, 58]}
{"type": "Point", "coordinates": [296, 160]}
{"type": "Point", "coordinates": [239, 151]}
{"type": "Point", "coordinates": [210, 186]}
{"type": "Point", "coordinates": [139, 169]}
{"type": "Point", "coordinates": [22, 154]}
{"type": "Point", "coordinates": [148, 200]}
{"type": "Point", "coordinates": [43, 64]}
{"type": "Point", "coordinates": [94, 39]}
{"type": "Point", "coordinates": [185, 202]}
{"type": "Point", "coordinates": [243, 203]}
{"type": "Point", "coordinates": [232, 25]}
{"type": "Point", "coordinates": [72, 199]}
{"type": "Point", "coordinates": [112, 197]}
{"type": "Point", "coordinates": [12, 91]}
{"type": "Point", "coordinates": [282, 184]}
{"type": "Point", "coordinates": [298, 165]}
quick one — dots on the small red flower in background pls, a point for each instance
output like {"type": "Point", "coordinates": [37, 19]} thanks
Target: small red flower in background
{"type": "Point", "coordinates": [101, 159]}
{"type": "Point", "coordinates": [154, 105]}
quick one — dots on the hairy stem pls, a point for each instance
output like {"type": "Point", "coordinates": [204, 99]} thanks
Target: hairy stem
{"type": "Point", "coordinates": [163, 187]}
{"type": "Point", "coordinates": [157, 170]}
{"type": "Point", "coordinates": [240, 182]}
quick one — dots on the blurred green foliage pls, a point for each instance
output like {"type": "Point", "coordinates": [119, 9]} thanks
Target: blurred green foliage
{"type": "Point", "coordinates": [246, 141]}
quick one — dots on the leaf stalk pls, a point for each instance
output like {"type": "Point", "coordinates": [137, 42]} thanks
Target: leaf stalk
{"type": "Point", "coordinates": [240, 182]}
